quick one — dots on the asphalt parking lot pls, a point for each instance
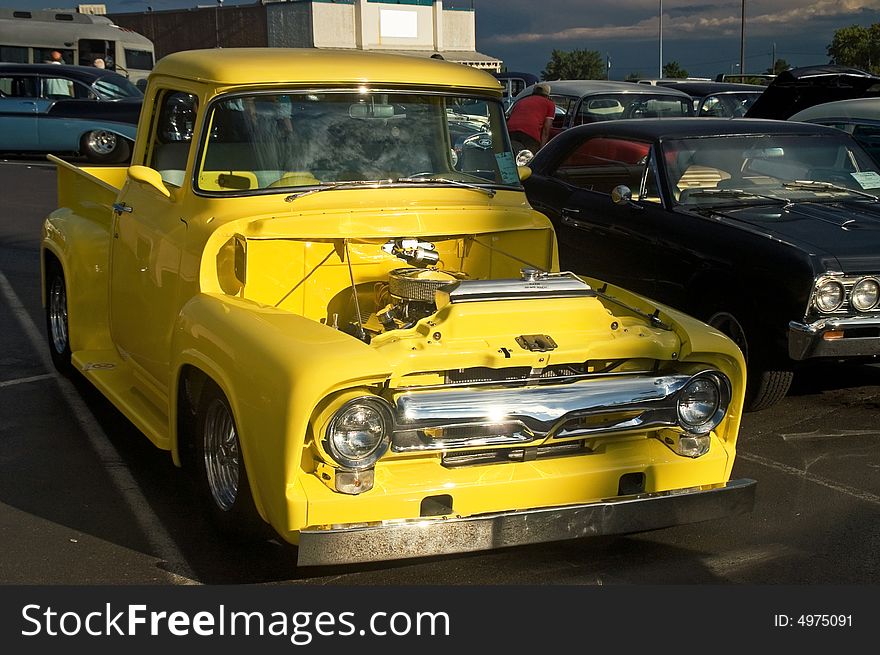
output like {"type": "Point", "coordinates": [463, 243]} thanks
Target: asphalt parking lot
{"type": "Point", "coordinates": [86, 499]}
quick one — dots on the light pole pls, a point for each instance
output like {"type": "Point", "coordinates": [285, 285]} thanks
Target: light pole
{"type": "Point", "coordinates": [660, 67]}
{"type": "Point", "coordinates": [742, 41]}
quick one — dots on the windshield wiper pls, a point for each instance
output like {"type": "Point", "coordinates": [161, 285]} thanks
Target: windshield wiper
{"type": "Point", "coordinates": [343, 184]}
{"type": "Point", "coordinates": [734, 193]}
{"type": "Point", "coordinates": [418, 179]}
{"type": "Point", "coordinates": [813, 184]}
{"type": "Point", "coordinates": [375, 184]}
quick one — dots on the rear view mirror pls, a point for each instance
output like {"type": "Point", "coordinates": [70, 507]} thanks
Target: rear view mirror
{"type": "Point", "coordinates": [763, 153]}
{"type": "Point", "coordinates": [371, 110]}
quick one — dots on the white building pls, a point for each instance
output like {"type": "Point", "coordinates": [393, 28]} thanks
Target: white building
{"type": "Point", "coordinates": [414, 27]}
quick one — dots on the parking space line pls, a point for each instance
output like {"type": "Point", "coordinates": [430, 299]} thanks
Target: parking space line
{"type": "Point", "coordinates": [866, 496]}
{"type": "Point", "coordinates": [157, 536]}
{"type": "Point", "coordinates": [33, 378]}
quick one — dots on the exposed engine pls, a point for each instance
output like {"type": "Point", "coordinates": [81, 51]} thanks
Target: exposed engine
{"type": "Point", "coordinates": [409, 294]}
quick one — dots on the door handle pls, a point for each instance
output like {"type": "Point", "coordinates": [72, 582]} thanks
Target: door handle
{"type": "Point", "coordinates": [119, 207]}
{"type": "Point", "coordinates": [570, 216]}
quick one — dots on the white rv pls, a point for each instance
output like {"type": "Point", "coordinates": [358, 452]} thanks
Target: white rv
{"type": "Point", "coordinates": [30, 36]}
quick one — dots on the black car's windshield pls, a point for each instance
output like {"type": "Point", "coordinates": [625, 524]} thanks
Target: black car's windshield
{"type": "Point", "coordinates": [739, 169]}
{"type": "Point", "coordinates": [338, 139]}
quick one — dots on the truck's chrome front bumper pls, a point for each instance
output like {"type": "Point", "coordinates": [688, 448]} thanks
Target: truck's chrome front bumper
{"type": "Point", "coordinates": [424, 537]}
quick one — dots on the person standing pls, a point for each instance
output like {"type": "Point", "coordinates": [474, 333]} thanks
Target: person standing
{"type": "Point", "coordinates": [531, 118]}
{"type": "Point", "coordinates": [56, 87]}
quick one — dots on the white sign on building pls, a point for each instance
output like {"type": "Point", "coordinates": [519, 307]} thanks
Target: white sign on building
{"type": "Point", "coordinates": [398, 24]}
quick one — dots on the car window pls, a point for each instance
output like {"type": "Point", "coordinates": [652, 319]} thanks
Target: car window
{"type": "Point", "coordinates": [61, 88]}
{"type": "Point", "coordinates": [868, 137]}
{"type": "Point", "coordinates": [172, 135]}
{"type": "Point", "coordinates": [598, 109]}
{"type": "Point", "coordinates": [727, 105]}
{"type": "Point", "coordinates": [564, 105]}
{"type": "Point", "coordinates": [19, 86]}
{"type": "Point", "coordinates": [602, 163]}
{"type": "Point", "coordinates": [116, 88]}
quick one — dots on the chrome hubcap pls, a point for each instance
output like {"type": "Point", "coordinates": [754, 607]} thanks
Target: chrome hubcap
{"type": "Point", "coordinates": [58, 315]}
{"type": "Point", "coordinates": [221, 455]}
{"type": "Point", "coordinates": [102, 142]}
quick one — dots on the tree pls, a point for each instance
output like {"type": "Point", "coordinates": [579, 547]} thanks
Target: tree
{"type": "Point", "coordinates": [673, 70]}
{"type": "Point", "coordinates": [575, 65]}
{"type": "Point", "coordinates": [856, 46]}
{"type": "Point", "coordinates": [779, 66]}
{"type": "Point", "coordinates": [633, 77]}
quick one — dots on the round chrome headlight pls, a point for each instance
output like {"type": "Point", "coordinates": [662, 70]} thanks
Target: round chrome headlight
{"type": "Point", "coordinates": [829, 296]}
{"type": "Point", "coordinates": [358, 433]}
{"type": "Point", "coordinates": [702, 402]}
{"type": "Point", "coordinates": [865, 294]}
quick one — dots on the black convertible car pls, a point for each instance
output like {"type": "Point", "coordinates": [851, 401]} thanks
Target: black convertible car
{"type": "Point", "coordinates": [768, 230]}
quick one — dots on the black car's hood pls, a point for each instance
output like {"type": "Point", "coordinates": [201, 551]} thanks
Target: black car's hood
{"type": "Point", "coordinates": [799, 88]}
{"type": "Point", "coordinates": [846, 231]}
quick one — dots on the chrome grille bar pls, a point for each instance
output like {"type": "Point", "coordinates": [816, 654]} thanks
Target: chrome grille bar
{"type": "Point", "coordinates": [440, 419]}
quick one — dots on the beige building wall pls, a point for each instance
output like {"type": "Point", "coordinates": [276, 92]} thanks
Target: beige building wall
{"type": "Point", "coordinates": [334, 26]}
{"type": "Point", "coordinates": [459, 31]}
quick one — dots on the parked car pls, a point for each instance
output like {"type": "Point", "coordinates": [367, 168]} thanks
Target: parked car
{"type": "Point", "coordinates": [68, 109]}
{"type": "Point", "coordinates": [514, 82]}
{"type": "Point", "coordinates": [717, 99]}
{"type": "Point", "coordinates": [767, 230]}
{"type": "Point", "coordinates": [588, 101]}
{"type": "Point", "coordinates": [799, 88]}
{"type": "Point", "coordinates": [353, 338]}
{"type": "Point", "coordinates": [859, 117]}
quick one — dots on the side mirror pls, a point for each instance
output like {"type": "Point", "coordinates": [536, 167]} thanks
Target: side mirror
{"type": "Point", "coordinates": [621, 195]}
{"type": "Point", "coordinates": [524, 173]}
{"type": "Point", "coordinates": [150, 177]}
{"type": "Point", "coordinates": [523, 157]}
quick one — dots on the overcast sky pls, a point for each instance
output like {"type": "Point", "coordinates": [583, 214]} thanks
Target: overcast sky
{"type": "Point", "coordinates": [702, 36]}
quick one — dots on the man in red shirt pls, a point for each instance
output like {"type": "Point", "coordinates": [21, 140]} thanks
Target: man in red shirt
{"type": "Point", "coordinates": [530, 120]}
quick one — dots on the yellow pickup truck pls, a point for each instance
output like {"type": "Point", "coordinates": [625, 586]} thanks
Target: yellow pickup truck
{"type": "Point", "coordinates": [320, 286]}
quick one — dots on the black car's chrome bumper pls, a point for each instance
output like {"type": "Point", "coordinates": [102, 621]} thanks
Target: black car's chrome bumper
{"type": "Point", "coordinates": [860, 338]}
{"type": "Point", "coordinates": [423, 537]}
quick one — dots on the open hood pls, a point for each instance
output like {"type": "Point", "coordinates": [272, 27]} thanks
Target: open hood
{"type": "Point", "coordinates": [799, 88]}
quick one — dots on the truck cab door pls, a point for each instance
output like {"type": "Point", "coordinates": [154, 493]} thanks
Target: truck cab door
{"type": "Point", "coordinates": [149, 234]}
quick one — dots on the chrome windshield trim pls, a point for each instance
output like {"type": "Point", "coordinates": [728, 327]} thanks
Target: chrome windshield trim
{"type": "Point", "coordinates": [477, 416]}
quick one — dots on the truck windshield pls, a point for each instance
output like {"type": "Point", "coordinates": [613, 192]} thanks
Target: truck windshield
{"type": "Point", "coordinates": [282, 141]}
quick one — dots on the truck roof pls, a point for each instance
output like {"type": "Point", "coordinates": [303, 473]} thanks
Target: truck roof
{"type": "Point", "coordinates": [303, 66]}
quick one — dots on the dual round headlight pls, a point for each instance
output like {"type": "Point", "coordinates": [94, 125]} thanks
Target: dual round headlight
{"type": "Point", "coordinates": [829, 296]}
{"type": "Point", "coordinates": [703, 401]}
{"type": "Point", "coordinates": [358, 434]}
{"type": "Point", "coordinates": [865, 294]}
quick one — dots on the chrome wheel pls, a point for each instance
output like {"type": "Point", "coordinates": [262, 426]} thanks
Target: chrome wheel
{"type": "Point", "coordinates": [58, 315]}
{"type": "Point", "coordinates": [221, 454]}
{"type": "Point", "coordinates": [101, 142]}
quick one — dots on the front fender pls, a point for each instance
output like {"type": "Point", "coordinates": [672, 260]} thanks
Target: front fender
{"type": "Point", "coordinates": [274, 367]}
{"type": "Point", "coordinates": [700, 343]}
